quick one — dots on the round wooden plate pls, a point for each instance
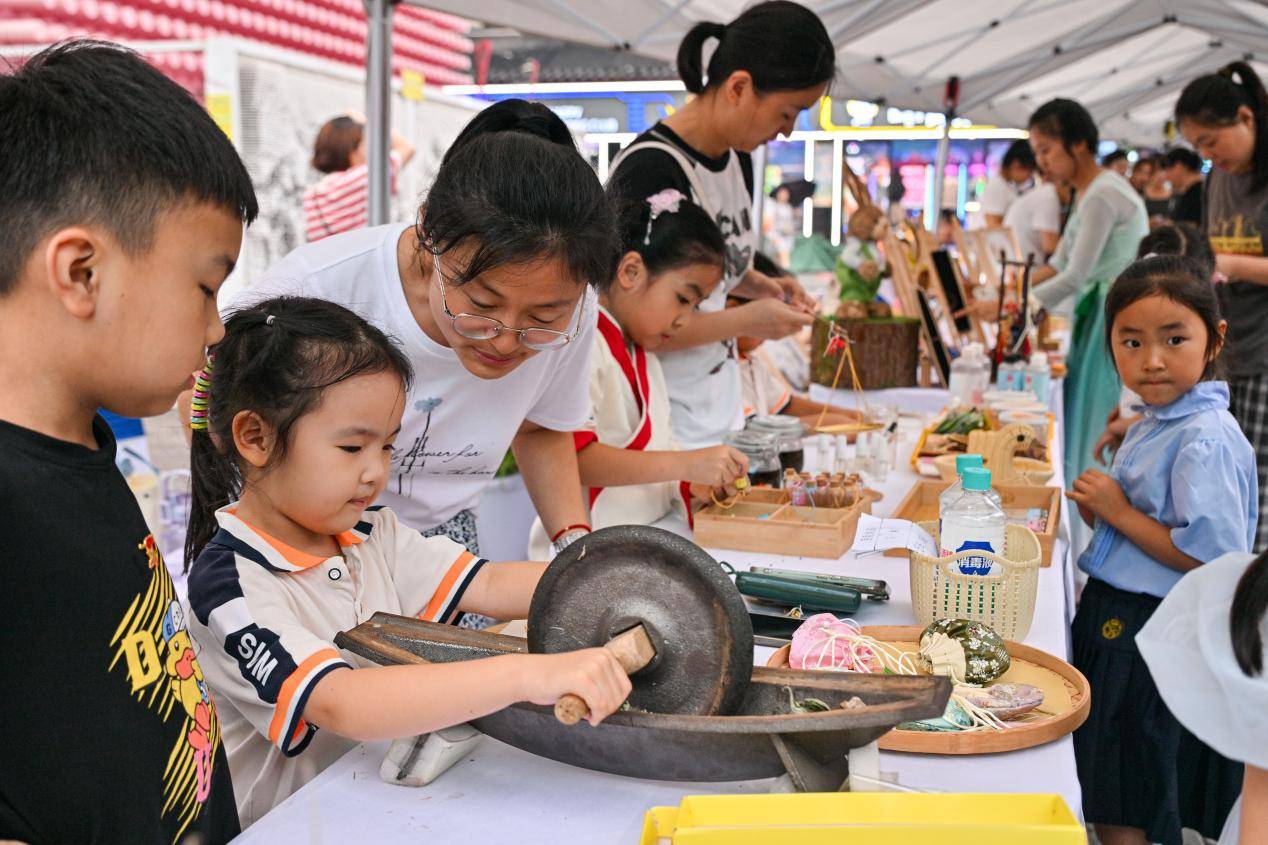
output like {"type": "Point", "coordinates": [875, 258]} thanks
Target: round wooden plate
{"type": "Point", "coordinates": [1067, 698]}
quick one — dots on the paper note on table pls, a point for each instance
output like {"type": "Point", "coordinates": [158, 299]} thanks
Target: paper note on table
{"type": "Point", "coordinates": [878, 535]}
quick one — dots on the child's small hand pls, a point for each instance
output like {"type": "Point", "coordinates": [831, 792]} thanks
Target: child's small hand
{"type": "Point", "coordinates": [1115, 430]}
{"type": "Point", "coordinates": [592, 673]}
{"type": "Point", "coordinates": [1099, 493]}
{"type": "Point", "coordinates": [715, 466]}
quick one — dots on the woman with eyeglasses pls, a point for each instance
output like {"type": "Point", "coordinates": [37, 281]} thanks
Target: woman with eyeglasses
{"type": "Point", "coordinates": [490, 295]}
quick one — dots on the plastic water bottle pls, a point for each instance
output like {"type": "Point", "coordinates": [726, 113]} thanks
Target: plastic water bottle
{"type": "Point", "coordinates": [973, 522]}
{"type": "Point", "coordinates": [1010, 376]}
{"type": "Point", "coordinates": [963, 378]}
{"type": "Point", "coordinates": [956, 489]}
{"type": "Point", "coordinates": [983, 383]}
{"type": "Point", "coordinates": [1037, 376]}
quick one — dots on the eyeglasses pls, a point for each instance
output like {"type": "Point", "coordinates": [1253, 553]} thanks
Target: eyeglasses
{"type": "Point", "coordinates": [475, 327]}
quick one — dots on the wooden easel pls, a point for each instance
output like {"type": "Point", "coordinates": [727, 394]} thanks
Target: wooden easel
{"type": "Point", "coordinates": [924, 276]}
{"type": "Point", "coordinates": [968, 251]}
{"type": "Point", "coordinates": [987, 244]}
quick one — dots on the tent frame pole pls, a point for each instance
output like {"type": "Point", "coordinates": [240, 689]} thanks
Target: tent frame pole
{"type": "Point", "coordinates": [378, 107]}
{"type": "Point", "coordinates": [940, 167]}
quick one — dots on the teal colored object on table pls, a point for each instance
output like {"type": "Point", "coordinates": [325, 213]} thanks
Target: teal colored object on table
{"type": "Point", "coordinates": [795, 592]}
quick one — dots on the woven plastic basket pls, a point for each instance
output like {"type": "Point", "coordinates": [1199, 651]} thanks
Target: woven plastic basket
{"type": "Point", "coordinates": [1005, 601]}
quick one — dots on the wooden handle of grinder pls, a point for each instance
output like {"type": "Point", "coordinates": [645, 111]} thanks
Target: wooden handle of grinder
{"type": "Point", "coordinates": [632, 649]}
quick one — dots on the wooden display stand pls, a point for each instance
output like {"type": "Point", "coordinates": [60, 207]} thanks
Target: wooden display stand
{"type": "Point", "coordinates": [764, 521]}
{"type": "Point", "coordinates": [921, 505]}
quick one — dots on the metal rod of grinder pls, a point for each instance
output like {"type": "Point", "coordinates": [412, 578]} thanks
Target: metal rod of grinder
{"type": "Point", "coordinates": [632, 649]}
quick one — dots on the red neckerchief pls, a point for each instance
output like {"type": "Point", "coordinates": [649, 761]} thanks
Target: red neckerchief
{"type": "Point", "coordinates": [634, 367]}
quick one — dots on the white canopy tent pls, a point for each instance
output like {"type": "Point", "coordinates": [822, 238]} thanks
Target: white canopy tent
{"type": "Point", "coordinates": [1126, 60]}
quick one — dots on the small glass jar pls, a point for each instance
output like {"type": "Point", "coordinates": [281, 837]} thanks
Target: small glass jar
{"type": "Point", "coordinates": [788, 432]}
{"type": "Point", "coordinates": [762, 453]}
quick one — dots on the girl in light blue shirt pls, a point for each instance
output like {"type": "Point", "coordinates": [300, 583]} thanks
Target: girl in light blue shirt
{"type": "Point", "coordinates": [1182, 491]}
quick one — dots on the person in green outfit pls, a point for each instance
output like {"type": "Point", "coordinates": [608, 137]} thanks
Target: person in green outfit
{"type": "Point", "coordinates": [1100, 240]}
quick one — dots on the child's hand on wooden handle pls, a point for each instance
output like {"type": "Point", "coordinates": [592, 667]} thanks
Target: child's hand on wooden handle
{"type": "Point", "coordinates": [630, 651]}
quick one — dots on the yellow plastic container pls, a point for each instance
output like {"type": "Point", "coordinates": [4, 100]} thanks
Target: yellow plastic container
{"type": "Point", "coordinates": [864, 819]}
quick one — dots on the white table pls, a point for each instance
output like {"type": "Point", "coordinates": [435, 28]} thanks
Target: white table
{"type": "Point", "coordinates": [502, 794]}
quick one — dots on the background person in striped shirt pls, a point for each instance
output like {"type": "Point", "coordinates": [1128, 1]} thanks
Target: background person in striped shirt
{"type": "Point", "coordinates": [337, 203]}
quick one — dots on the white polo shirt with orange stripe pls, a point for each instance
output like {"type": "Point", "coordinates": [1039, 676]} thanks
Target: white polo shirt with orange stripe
{"type": "Point", "coordinates": [264, 618]}
{"type": "Point", "coordinates": [764, 387]}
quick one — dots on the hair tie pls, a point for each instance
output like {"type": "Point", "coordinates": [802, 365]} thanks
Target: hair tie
{"type": "Point", "coordinates": [707, 48]}
{"type": "Point", "coordinates": [668, 200]}
{"type": "Point", "coordinates": [270, 319]}
{"type": "Point", "coordinates": [202, 396]}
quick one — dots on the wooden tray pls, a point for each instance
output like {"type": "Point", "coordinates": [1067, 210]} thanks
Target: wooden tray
{"type": "Point", "coordinates": [764, 521]}
{"type": "Point", "coordinates": [1067, 696]}
{"type": "Point", "coordinates": [992, 423]}
{"type": "Point", "coordinates": [921, 505]}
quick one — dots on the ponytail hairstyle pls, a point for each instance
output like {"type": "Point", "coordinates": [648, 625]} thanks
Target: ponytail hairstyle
{"type": "Point", "coordinates": [1184, 281]}
{"type": "Point", "coordinates": [513, 189]}
{"type": "Point", "coordinates": [1246, 615]}
{"type": "Point", "coordinates": [275, 359]}
{"type": "Point", "coordinates": [1067, 120]}
{"type": "Point", "coordinates": [1179, 239]}
{"type": "Point", "coordinates": [678, 235]}
{"type": "Point", "coordinates": [1213, 100]}
{"type": "Point", "coordinates": [783, 46]}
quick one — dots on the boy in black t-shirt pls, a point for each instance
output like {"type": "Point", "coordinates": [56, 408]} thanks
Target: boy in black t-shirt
{"type": "Point", "coordinates": [121, 213]}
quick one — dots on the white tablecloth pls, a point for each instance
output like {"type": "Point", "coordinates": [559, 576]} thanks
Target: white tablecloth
{"type": "Point", "coordinates": [502, 794]}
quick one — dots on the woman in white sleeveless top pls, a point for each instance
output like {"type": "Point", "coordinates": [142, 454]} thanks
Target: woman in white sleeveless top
{"type": "Point", "coordinates": [751, 79]}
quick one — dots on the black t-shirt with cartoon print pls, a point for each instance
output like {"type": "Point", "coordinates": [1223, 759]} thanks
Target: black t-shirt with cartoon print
{"type": "Point", "coordinates": [107, 731]}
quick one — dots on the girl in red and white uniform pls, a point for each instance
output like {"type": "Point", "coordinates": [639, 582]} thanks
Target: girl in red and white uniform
{"type": "Point", "coordinates": [673, 258]}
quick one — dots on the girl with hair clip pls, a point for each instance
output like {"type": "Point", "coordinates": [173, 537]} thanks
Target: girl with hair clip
{"type": "Point", "coordinates": [750, 79]}
{"type": "Point", "coordinates": [1181, 239]}
{"type": "Point", "coordinates": [295, 425]}
{"type": "Point", "coordinates": [1182, 491]}
{"type": "Point", "coordinates": [632, 469]}
{"type": "Point", "coordinates": [1100, 240]}
{"type": "Point", "coordinates": [492, 295]}
{"type": "Point", "coordinates": [1225, 117]}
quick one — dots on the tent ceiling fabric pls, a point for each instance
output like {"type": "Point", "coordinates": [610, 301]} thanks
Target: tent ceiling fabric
{"type": "Point", "coordinates": [1126, 60]}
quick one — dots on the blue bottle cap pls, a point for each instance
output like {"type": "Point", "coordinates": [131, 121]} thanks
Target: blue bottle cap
{"type": "Point", "coordinates": [977, 478]}
{"type": "Point", "coordinates": [963, 462]}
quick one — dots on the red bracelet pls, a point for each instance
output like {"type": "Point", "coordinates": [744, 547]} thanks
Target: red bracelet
{"type": "Point", "coordinates": [564, 531]}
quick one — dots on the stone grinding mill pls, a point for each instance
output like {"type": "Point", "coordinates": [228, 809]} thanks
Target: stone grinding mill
{"type": "Point", "coordinates": [699, 709]}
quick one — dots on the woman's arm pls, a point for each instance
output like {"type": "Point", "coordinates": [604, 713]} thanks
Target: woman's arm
{"type": "Point", "coordinates": [1254, 821]}
{"type": "Point", "coordinates": [402, 147]}
{"type": "Point", "coordinates": [609, 466]}
{"type": "Point", "coordinates": [1048, 242]}
{"type": "Point", "coordinates": [548, 461]}
{"type": "Point", "coordinates": [767, 318]}
{"type": "Point", "coordinates": [386, 702]}
{"type": "Point", "coordinates": [756, 285]}
{"type": "Point", "coordinates": [799, 406]}
{"type": "Point", "coordinates": [1097, 223]}
{"type": "Point", "coordinates": [1243, 268]}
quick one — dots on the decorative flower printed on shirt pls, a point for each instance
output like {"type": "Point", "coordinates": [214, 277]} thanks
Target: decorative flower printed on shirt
{"type": "Point", "coordinates": [407, 460]}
